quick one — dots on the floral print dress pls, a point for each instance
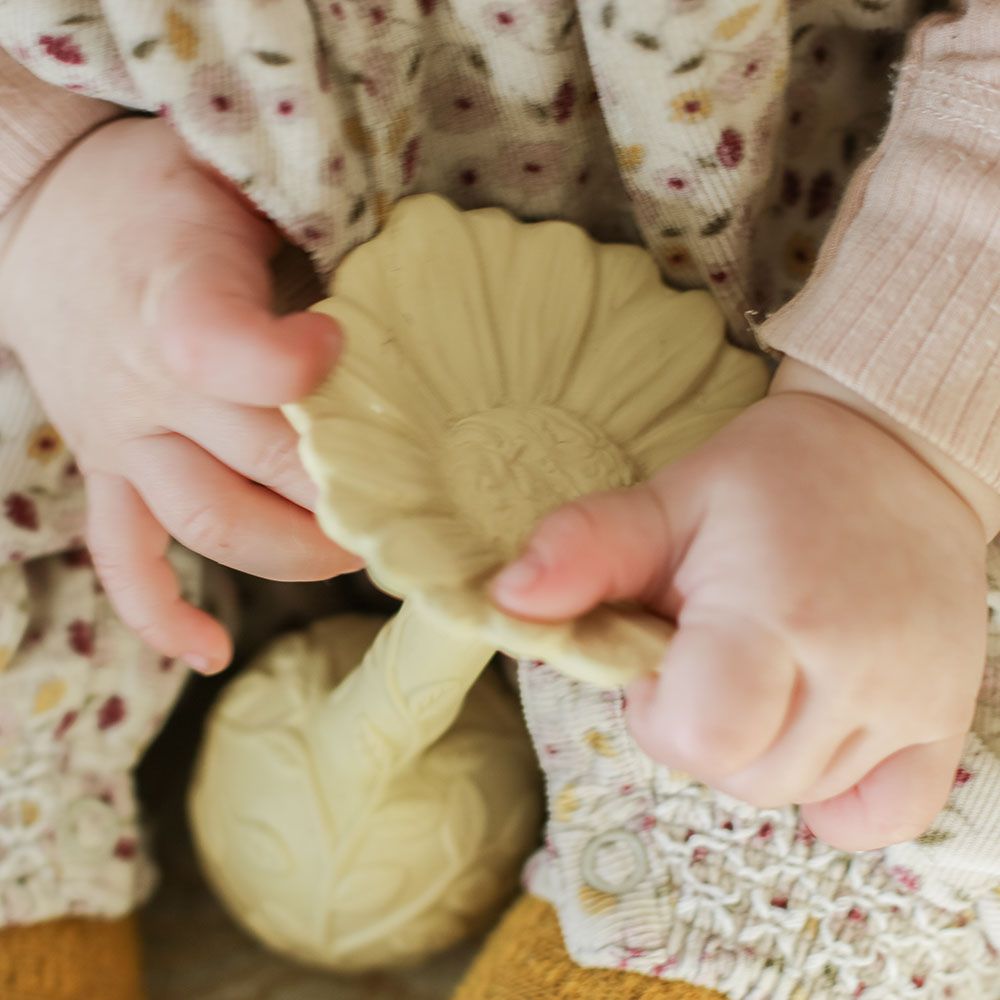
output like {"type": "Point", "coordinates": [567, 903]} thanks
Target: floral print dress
{"type": "Point", "coordinates": [720, 134]}
{"type": "Point", "coordinates": [80, 696]}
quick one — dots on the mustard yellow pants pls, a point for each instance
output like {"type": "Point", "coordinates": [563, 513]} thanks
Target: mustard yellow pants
{"type": "Point", "coordinates": [71, 959]}
{"type": "Point", "coordinates": [524, 959]}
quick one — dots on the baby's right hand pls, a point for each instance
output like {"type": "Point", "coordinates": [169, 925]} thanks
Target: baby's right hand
{"type": "Point", "coordinates": [134, 287]}
{"type": "Point", "coordinates": [828, 585]}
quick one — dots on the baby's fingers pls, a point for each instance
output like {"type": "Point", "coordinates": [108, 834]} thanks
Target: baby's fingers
{"type": "Point", "coordinates": [721, 699]}
{"type": "Point", "coordinates": [896, 801]}
{"type": "Point", "coordinates": [219, 514]}
{"type": "Point", "coordinates": [211, 316]}
{"type": "Point", "coordinates": [258, 444]}
{"type": "Point", "coordinates": [129, 549]}
{"type": "Point", "coordinates": [603, 547]}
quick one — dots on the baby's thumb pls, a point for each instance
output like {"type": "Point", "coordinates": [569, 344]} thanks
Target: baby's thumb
{"type": "Point", "coordinates": [604, 547]}
{"type": "Point", "coordinates": [211, 314]}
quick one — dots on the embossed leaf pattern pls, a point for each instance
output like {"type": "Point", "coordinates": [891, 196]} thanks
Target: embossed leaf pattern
{"type": "Point", "coordinates": [470, 828]}
{"type": "Point", "coordinates": [412, 817]}
{"type": "Point", "coordinates": [377, 748]}
{"type": "Point", "coordinates": [426, 698]}
{"type": "Point", "coordinates": [369, 890]}
{"type": "Point", "coordinates": [373, 816]}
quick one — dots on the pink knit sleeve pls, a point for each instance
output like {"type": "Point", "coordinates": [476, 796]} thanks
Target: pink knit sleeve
{"type": "Point", "coordinates": [904, 304]}
{"type": "Point", "coordinates": [38, 121]}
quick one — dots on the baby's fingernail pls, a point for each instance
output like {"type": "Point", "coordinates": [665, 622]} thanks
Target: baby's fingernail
{"type": "Point", "coordinates": [335, 335]}
{"type": "Point", "coordinates": [332, 334]}
{"type": "Point", "coordinates": [519, 575]}
{"type": "Point", "coordinates": [199, 664]}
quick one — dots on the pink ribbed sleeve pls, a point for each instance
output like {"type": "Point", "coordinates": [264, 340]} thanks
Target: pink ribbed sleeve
{"type": "Point", "coordinates": [904, 304]}
{"type": "Point", "coordinates": [38, 121]}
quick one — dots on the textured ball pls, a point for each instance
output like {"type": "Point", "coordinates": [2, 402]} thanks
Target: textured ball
{"type": "Point", "coordinates": [362, 818]}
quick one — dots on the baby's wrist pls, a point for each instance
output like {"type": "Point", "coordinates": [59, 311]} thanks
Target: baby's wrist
{"type": "Point", "coordinates": [797, 377]}
{"type": "Point", "coordinates": [15, 216]}
{"type": "Point", "coordinates": [10, 220]}
{"type": "Point", "coordinates": [10, 224]}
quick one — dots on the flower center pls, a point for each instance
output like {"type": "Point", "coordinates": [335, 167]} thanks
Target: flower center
{"type": "Point", "coordinates": [508, 467]}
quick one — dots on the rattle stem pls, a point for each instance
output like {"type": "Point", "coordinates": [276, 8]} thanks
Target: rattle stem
{"type": "Point", "coordinates": [404, 695]}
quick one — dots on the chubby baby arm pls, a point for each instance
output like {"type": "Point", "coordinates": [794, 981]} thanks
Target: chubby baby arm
{"type": "Point", "coordinates": [134, 288]}
{"type": "Point", "coordinates": [828, 582]}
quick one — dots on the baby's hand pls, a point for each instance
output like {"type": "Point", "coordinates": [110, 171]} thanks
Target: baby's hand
{"type": "Point", "coordinates": [134, 287]}
{"type": "Point", "coordinates": [829, 591]}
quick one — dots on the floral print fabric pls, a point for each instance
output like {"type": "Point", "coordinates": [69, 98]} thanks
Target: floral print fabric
{"type": "Point", "coordinates": [720, 133]}
{"type": "Point", "coordinates": [80, 696]}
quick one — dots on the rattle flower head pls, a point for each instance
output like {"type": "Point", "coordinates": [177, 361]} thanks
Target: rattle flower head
{"type": "Point", "coordinates": [494, 370]}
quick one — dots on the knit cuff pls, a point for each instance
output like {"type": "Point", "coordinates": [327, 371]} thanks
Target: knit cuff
{"type": "Point", "coordinates": [904, 304]}
{"type": "Point", "coordinates": [37, 122]}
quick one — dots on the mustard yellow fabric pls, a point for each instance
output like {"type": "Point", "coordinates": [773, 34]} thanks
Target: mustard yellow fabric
{"type": "Point", "coordinates": [524, 959]}
{"type": "Point", "coordinates": [72, 959]}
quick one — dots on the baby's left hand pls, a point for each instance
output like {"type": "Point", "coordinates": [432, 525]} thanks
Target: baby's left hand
{"type": "Point", "coordinates": [826, 573]}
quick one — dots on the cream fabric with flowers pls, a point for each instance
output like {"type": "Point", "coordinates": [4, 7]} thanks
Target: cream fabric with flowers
{"type": "Point", "coordinates": [80, 696]}
{"type": "Point", "coordinates": [718, 132]}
